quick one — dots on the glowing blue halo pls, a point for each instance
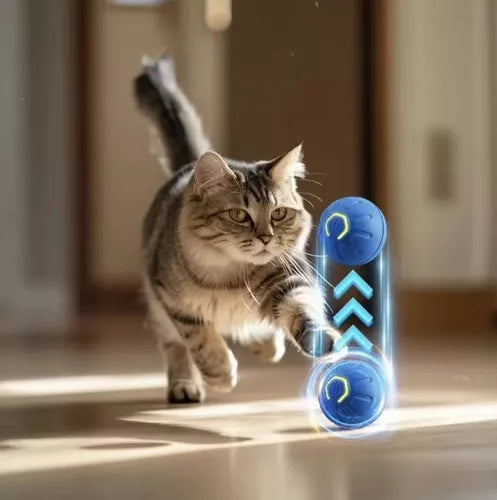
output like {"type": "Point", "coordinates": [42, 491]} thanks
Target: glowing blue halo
{"type": "Point", "coordinates": [382, 358]}
{"type": "Point", "coordinates": [317, 378]}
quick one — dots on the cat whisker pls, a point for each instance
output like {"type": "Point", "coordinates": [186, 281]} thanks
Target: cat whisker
{"type": "Point", "coordinates": [310, 203]}
{"type": "Point", "coordinates": [286, 267]}
{"type": "Point", "coordinates": [326, 305]}
{"type": "Point", "coordinates": [282, 263]}
{"type": "Point", "coordinates": [244, 303]}
{"type": "Point", "coordinates": [315, 271]}
{"type": "Point", "coordinates": [254, 298]}
{"type": "Point", "coordinates": [311, 180]}
{"type": "Point", "coordinates": [312, 254]}
{"type": "Point", "coordinates": [297, 270]}
{"type": "Point", "coordinates": [313, 195]}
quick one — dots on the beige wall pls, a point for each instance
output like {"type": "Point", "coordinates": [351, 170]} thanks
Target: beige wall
{"type": "Point", "coordinates": [37, 131]}
{"type": "Point", "coordinates": [124, 175]}
{"type": "Point", "coordinates": [441, 83]}
{"type": "Point", "coordinates": [493, 139]}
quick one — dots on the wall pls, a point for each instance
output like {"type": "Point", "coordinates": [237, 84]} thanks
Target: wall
{"type": "Point", "coordinates": [124, 176]}
{"type": "Point", "coordinates": [52, 136]}
{"type": "Point", "coordinates": [295, 75]}
{"type": "Point", "coordinates": [12, 146]}
{"type": "Point", "coordinates": [37, 126]}
{"type": "Point", "coordinates": [122, 173]}
{"type": "Point", "coordinates": [493, 127]}
{"type": "Point", "coordinates": [442, 210]}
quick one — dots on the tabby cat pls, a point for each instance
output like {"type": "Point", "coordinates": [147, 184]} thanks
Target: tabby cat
{"type": "Point", "coordinates": [223, 244]}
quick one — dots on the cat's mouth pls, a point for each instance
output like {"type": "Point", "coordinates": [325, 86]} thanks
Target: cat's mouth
{"type": "Point", "coordinates": [263, 252]}
{"type": "Point", "coordinates": [261, 257]}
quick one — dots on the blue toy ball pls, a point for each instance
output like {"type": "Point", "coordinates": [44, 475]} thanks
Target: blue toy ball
{"type": "Point", "coordinates": [352, 394]}
{"type": "Point", "coordinates": [352, 231]}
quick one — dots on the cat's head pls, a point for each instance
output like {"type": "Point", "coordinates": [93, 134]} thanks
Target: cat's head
{"type": "Point", "coordinates": [251, 212]}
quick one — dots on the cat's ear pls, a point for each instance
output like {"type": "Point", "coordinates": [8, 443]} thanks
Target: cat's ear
{"type": "Point", "coordinates": [287, 166]}
{"type": "Point", "coordinates": [211, 170]}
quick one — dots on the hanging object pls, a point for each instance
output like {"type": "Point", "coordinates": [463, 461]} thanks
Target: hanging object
{"type": "Point", "coordinates": [218, 14]}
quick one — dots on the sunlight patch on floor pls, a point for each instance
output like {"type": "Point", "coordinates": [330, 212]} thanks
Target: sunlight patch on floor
{"type": "Point", "coordinates": [259, 422]}
{"type": "Point", "coordinates": [56, 386]}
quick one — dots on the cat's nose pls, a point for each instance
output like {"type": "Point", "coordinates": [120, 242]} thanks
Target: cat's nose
{"type": "Point", "coordinates": [265, 238]}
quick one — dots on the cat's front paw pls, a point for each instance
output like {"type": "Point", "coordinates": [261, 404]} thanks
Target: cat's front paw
{"type": "Point", "coordinates": [313, 337]}
{"type": "Point", "coordinates": [182, 391]}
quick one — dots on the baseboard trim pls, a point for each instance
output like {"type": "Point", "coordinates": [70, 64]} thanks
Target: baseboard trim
{"type": "Point", "coordinates": [445, 309]}
{"type": "Point", "coordinates": [113, 298]}
{"type": "Point", "coordinates": [415, 309]}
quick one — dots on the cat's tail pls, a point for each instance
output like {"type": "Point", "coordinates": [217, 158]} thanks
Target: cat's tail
{"type": "Point", "coordinates": [159, 97]}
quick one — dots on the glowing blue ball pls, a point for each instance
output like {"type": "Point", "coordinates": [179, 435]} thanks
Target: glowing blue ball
{"type": "Point", "coordinates": [352, 231]}
{"type": "Point", "coordinates": [352, 393]}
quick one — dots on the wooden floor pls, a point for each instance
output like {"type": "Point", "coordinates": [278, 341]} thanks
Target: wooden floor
{"type": "Point", "coordinates": [82, 416]}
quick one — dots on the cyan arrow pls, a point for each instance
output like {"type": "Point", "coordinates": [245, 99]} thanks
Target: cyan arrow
{"type": "Point", "coordinates": [353, 307]}
{"type": "Point", "coordinates": [353, 334]}
{"type": "Point", "coordinates": [353, 279]}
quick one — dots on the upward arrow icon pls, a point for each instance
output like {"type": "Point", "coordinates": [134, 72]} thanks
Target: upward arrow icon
{"type": "Point", "coordinates": [353, 334]}
{"type": "Point", "coordinates": [353, 307]}
{"type": "Point", "coordinates": [352, 279]}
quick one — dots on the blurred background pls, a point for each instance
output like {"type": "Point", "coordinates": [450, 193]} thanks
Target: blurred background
{"type": "Point", "coordinates": [395, 100]}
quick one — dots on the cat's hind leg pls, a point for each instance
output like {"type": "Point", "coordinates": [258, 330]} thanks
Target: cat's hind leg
{"type": "Point", "coordinates": [184, 383]}
{"type": "Point", "coordinates": [217, 364]}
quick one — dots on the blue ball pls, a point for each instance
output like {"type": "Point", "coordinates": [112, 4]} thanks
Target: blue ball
{"type": "Point", "coordinates": [352, 394]}
{"type": "Point", "coordinates": [352, 231]}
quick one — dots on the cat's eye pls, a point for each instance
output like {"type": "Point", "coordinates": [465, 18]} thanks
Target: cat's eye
{"type": "Point", "coordinates": [239, 215]}
{"type": "Point", "coordinates": [278, 214]}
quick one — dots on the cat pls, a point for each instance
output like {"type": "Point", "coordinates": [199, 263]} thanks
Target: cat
{"type": "Point", "coordinates": [223, 246]}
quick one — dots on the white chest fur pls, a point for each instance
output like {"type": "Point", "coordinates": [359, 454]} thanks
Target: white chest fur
{"type": "Point", "coordinates": [226, 309]}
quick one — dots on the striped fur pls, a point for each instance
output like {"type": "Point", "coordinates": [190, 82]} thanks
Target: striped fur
{"type": "Point", "coordinates": [159, 97]}
{"type": "Point", "coordinates": [223, 247]}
